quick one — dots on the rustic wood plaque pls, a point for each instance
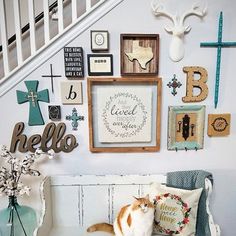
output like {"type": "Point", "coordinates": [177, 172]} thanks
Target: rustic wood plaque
{"type": "Point", "coordinates": [139, 54]}
{"type": "Point", "coordinates": [218, 124]}
{"type": "Point", "coordinates": [74, 63]}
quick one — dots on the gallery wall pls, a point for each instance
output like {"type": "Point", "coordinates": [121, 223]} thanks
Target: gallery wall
{"type": "Point", "coordinates": [218, 154]}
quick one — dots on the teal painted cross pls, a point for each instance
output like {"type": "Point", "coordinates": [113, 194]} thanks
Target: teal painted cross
{"type": "Point", "coordinates": [75, 118]}
{"type": "Point", "coordinates": [33, 97]}
{"type": "Point", "coordinates": [219, 45]}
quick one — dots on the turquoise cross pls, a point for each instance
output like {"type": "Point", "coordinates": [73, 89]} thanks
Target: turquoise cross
{"type": "Point", "coordinates": [219, 45]}
{"type": "Point", "coordinates": [75, 118]}
{"type": "Point", "coordinates": [33, 97]}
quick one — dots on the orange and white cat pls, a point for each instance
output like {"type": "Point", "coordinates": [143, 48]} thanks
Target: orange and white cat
{"type": "Point", "coordinates": [135, 219]}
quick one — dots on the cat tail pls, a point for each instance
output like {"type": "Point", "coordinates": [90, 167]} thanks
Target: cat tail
{"type": "Point", "coordinates": [101, 227]}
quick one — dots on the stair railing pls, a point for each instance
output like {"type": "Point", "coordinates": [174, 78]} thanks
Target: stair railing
{"type": "Point", "coordinates": [31, 27]}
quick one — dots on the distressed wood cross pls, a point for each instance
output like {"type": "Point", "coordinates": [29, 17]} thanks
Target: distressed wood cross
{"type": "Point", "coordinates": [219, 45]}
{"type": "Point", "coordinates": [75, 118]}
{"type": "Point", "coordinates": [33, 97]}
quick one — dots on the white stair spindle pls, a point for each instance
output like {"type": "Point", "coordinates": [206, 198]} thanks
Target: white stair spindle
{"type": "Point", "coordinates": [88, 5]}
{"type": "Point", "coordinates": [3, 28]}
{"type": "Point", "coordinates": [32, 26]}
{"type": "Point", "coordinates": [18, 31]}
{"type": "Point", "coordinates": [60, 16]}
{"type": "Point", "coordinates": [46, 21]}
{"type": "Point", "coordinates": [74, 10]}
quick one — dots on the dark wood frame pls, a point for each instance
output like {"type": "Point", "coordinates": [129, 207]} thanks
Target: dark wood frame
{"type": "Point", "coordinates": [99, 49]}
{"type": "Point", "coordinates": [151, 40]}
{"type": "Point", "coordinates": [99, 73]}
{"type": "Point", "coordinates": [92, 117]}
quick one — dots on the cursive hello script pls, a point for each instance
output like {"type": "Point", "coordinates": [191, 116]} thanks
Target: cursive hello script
{"type": "Point", "coordinates": [52, 138]}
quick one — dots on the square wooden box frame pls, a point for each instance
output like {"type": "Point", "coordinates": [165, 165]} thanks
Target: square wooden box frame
{"type": "Point", "coordinates": [132, 67]}
{"type": "Point", "coordinates": [155, 84]}
{"type": "Point", "coordinates": [200, 120]}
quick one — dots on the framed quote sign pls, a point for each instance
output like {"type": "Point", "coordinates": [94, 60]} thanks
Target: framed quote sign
{"type": "Point", "coordinates": [74, 62]}
{"type": "Point", "coordinates": [124, 114]}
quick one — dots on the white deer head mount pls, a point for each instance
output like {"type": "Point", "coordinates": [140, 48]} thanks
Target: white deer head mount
{"type": "Point", "coordinates": [176, 51]}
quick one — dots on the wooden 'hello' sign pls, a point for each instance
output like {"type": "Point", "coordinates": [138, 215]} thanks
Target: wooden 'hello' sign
{"type": "Point", "coordinates": [52, 138]}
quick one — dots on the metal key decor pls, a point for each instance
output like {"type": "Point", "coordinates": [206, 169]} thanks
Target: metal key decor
{"type": "Point", "coordinates": [33, 97]}
{"type": "Point", "coordinates": [75, 118]}
{"type": "Point", "coordinates": [219, 45]}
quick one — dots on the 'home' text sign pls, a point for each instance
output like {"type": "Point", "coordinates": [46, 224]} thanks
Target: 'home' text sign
{"type": "Point", "coordinates": [74, 65]}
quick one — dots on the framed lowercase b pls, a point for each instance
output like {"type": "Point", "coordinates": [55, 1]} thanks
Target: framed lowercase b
{"type": "Point", "coordinates": [124, 114]}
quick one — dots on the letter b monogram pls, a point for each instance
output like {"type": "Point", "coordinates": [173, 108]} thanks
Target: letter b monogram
{"type": "Point", "coordinates": [71, 92]}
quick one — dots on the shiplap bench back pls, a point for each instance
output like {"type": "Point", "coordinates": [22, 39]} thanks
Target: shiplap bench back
{"type": "Point", "coordinates": [72, 203]}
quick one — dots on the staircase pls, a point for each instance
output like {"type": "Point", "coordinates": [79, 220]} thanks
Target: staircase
{"type": "Point", "coordinates": [45, 34]}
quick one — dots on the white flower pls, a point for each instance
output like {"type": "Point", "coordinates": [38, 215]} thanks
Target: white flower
{"type": "Point", "coordinates": [38, 152]}
{"type": "Point", "coordinates": [51, 154]}
{"type": "Point", "coordinates": [25, 190]}
{"type": "Point", "coordinates": [3, 148]}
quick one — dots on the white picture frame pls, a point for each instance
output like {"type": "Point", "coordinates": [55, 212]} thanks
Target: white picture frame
{"type": "Point", "coordinates": [99, 40]}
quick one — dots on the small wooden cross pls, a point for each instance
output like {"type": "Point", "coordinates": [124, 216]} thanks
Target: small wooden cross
{"type": "Point", "coordinates": [75, 118]}
{"type": "Point", "coordinates": [33, 97]}
{"type": "Point", "coordinates": [51, 76]}
{"type": "Point", "coordinates": [219, 45]}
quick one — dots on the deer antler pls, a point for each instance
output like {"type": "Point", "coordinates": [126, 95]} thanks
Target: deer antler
{"type": "Point", "coordinates": [195, 10]}
{"type": "Point", "coordinates": [160, 10]}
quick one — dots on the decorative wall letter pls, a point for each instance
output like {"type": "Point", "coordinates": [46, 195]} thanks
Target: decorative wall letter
{"type": "Point", "coordinates": [218, 124]}
{"type": "Point", "coordinates": [33, 97]}
{"type": "Point", "coordinates": [192, 83]}
{"type": "Point", "coordinates": [52, 138]}
{"type": "Point", "coordinates": [71, 92]}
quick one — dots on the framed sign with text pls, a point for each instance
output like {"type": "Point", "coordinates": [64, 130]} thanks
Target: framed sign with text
{"type": "Point", "coordinates": [74, 62]}
{"type": "Point", "coordinates": [100, 64]}
{"type": "Point", "coordinates": [124, 114]}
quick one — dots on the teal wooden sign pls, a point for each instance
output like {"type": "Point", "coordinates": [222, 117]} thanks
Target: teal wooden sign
{"type": "Point", "coordinates": [219, 45]}
{"type": "Point", "coordinates": [33, 97]}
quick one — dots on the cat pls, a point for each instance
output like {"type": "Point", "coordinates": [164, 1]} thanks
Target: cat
{"type": "Point", "coordinates": [135, 219]}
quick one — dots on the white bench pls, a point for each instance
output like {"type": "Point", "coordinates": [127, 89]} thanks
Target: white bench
{"type": "Point", "coordinates": [72, 203]}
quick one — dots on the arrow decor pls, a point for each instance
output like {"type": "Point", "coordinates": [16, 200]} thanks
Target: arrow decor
{"type": "Point", "coordinates": [219, 45]}
{"type": "Point", "coordinates": [33, 97]}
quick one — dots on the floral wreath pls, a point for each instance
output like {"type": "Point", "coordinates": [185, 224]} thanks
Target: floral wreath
{"type": "Point", "coordinates": [139, 103]}
{"type": "Point", "coordinates": [184, 209]}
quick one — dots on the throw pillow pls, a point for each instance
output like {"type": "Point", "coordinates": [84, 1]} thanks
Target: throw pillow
{"type": "Point", "coordinates": [176, 210]}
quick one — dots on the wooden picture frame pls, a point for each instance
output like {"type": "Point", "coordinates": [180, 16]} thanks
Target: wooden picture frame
{"type": "Point", "coordinates": [186, 127]}
{"type": "Point", "coordinates": [99, 40]}
{"type": "Point", "coordinates": [124, 114]}
{"type": "Point", "coordinates": [139, 54]}
{"type": "Point", "coordinates": [100, 64]}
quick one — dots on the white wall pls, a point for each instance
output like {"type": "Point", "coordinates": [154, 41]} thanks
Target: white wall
{"type": "Point", "coordinates": [218, 155]}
